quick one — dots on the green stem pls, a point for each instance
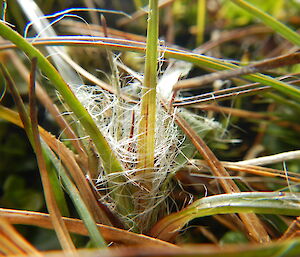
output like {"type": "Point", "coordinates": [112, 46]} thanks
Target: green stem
{"type": "Point", "coordinates": [201, 21]}
{"type": "Point", "coordinates": [73, 192]}
{"type": "Point", "coordinates": [202, 61]}
{"type": "Point", "coordinates": [148, 103]}
{"type": "Point", "coordinates": [109, 161]}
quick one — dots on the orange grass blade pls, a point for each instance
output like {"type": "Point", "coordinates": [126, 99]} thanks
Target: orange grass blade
{"type": "Point", "coordinates": [60, 228]}
{"type": "Point", "coordinates": [13, 242]}
{"type": "Point", "coordinates": [197, 59]}
{"type": "Point", "coordinates": [49, 105]}
{"type": "Point", "coordinates": [110, 234]}
{"type": "Point", "coordinates": [68, 159]}
{"type": "Point", "coordinates": [251, 221]}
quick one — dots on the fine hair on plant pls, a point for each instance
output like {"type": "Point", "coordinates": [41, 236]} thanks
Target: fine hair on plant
{"type": "Point", "coordinates": [175, 124]}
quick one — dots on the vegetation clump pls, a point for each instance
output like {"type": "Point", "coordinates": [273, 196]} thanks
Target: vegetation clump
{"type": "Point", "coordinates": [188, 135]}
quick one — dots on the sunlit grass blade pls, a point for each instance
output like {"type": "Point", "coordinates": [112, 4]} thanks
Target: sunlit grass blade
{"type": "Point", "coordinates": [109, 160]}
{"type": "Point", "coordinates": [202, 61]}
{"type": "Point", "coordinates": [245, 202]}
{"type": "Point", "coordinates": [250, 220]}
{"type": "Point", "coordinates": [43, 29]}
{"type": "Point", "coordinates": [146, 142]}
{"type": "Point", "coordinates": [270, 21]}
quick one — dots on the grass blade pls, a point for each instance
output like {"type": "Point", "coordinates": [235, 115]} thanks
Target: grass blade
{"type": "Point", "coordinates": [110, 234]}
{"type": "Point", "coordinates": [110, 162]}
{"type": "Point", "coordinates": [201, 21]}
{"type": "Point", "coordinates": [270, 21]}
{"type": "Point", "coordinates": [60, 228]}
{"type": "Point", "coordinates": [146, 143]}
{"type": "Point", "coordinates": [33, 136]}
{"type": "Point", "coordinates": [12, 243]}
{"type": "Point", "coordinates": [81, 206]}
{"type": "Point", "coordinates": [202, 61]}
{"type": "Point", "coordinates": [246, 202]}
{"type": "Point", "coordinates": [251, 221]}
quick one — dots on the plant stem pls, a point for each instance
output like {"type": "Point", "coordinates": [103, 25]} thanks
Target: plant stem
{"type": "Point", "coordinates": [202, 61]}
{"type": "Point", "coordinates": [80, 205]}
{"type": "Point", "coordinates": [148, 105]}
{"type": "Point", "coordinates": [109, 160]}
{"type": "Point", "coordinates": [201, 21]}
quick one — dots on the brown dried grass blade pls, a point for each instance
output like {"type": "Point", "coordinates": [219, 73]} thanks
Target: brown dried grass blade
{"type": "Point", "coordinates": [292, 231]}
{"type": "Point", "coordinates": [12, 243]}
{"type": "Point", "coordinates": [253, 225]}
{"type": "Point", "coordinates": [110, 234]}
{"type": "Point", "coordinates": [248, 115]}
{"type": "Point", "coordinates": [283, 60]}
{"type": "Point", "coordinates": [222, 94]}
{"type": "Point", "coordinates": [44, 99]}
{"type": "Point", "coordinates": [252, 169]}
{"type": "Point", "coordinates": [68, 159]}
{"type": "Point", "coordinates": [56, 218]}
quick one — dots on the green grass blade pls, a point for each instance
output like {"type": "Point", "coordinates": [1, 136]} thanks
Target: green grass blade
{"type": "Point", "coordinates": [110, 162]}
{"type": "Point", "coordinates": [245, 202]}
{"type": "Point", "coordinates": [82, 209]}
{"type": "Point", "coordinates": [74, 194]}
{"type": "Point", "coordinates": [146, 144]}
{"type": "Point", "coordinates": [202, 61]}
{"type": "Point", "coordinates": [270, 21]}
{"type": "Point", "coordinates": [57, 188]}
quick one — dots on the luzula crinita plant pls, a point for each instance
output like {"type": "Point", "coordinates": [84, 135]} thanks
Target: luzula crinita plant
{"type": "Point", "coordinates": [137, 192]}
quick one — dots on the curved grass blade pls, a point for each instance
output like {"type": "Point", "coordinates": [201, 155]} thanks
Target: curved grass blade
{"type": "Point", "coordinates": [251, 221]}
{"type": "Point", "coordinates": [197, 59]}
{"type": "Point", "coordinates": [111, 234]}
{"type": "Point", "coordinates": [109, 160]}
{"type": "Point", "coordinates": [82, 208]}
{"type": "Point", "coordinates": [245, 202]}
{"type": "Point", "coordinates": [270, 21]}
